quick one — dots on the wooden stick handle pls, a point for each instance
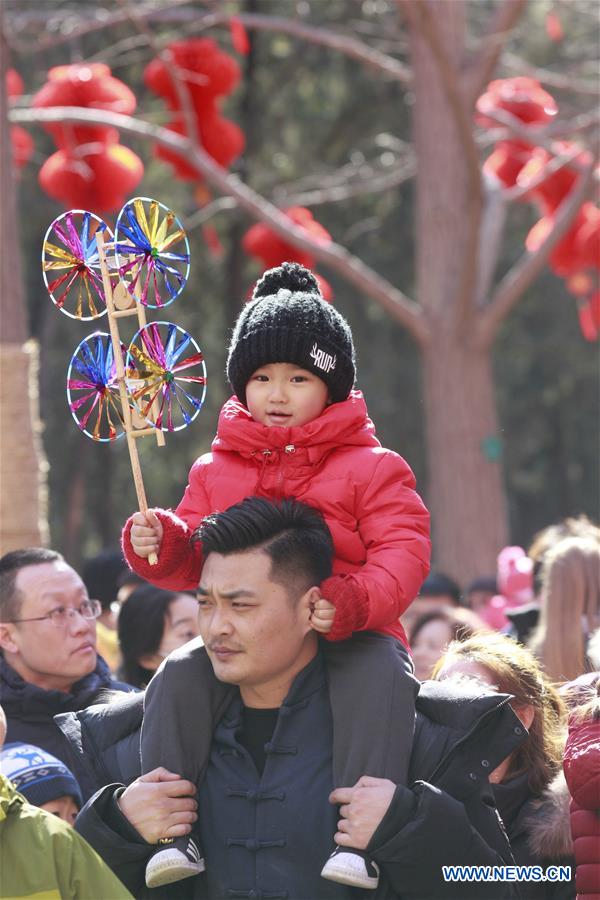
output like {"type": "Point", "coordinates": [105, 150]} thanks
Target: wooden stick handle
{"type": "Point", "coordinates": [128, 425]}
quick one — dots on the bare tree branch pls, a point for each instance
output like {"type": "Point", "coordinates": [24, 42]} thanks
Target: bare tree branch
{"type": "Point", "coordinates": [537, 137]}
{"type": "Point", "coordinates": [401, 307]}
{"type": "Point", "coordinates": [349, 46]}
{"type": "Point", "coordinates": [481, 67]}
{"type": "Point", "coordinates": [552, 79]}
{"type": "Point", "coordinates": [517, 280]}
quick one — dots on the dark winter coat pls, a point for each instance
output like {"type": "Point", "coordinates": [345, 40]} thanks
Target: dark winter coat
{"type": "Point", "coordinates": [30, 710]}
{"type": "Point", "coordinates": [379, 525]}
{"type": "Point", "coordinates": [446, 817]}
{"type": "Point", "coordinates": [538, 831]}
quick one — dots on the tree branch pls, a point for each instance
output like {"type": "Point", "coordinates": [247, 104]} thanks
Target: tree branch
{"type": "Point", "coordinates": [523, 273]}
{"type": "Point", "coordinates": [348, 46]}
{"type": "Point", "coordinates": [481, 67]}
{"type": "Point", "coordinates": [401, 307]}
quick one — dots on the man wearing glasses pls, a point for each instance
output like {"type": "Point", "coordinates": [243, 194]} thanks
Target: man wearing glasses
{"type": "Point", "coordinates": [48, 658]}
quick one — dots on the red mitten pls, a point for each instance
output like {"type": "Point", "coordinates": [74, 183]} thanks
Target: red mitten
{"type": "Point", "coordinates": [351, 606]}
{"type": "Point", "coordinates": [175, 554]}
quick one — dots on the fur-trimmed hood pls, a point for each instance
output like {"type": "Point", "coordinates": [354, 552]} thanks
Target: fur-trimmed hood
{"type": "Point", "coordinates": [547, 821]}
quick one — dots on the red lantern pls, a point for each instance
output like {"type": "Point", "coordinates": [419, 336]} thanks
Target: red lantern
{"type": "Point", "coordinates": [553, 189]}
{"type": "Point", "coordinates": [90, 86]}
{"type": "Point", "coordinates": [524, 98]}
{"type": "Point", "coordinates": [264, 244]}
{"type": "Point", "coordinates": [578, 249]}
{"type": "Point", "coordinates": [222, 139]}
{"type": "Point", "coordinates": [98, 181]}
{"type": "Point", "coordinates": [507, 161]}
{"type": "Point", "coordinates": [207, 73]}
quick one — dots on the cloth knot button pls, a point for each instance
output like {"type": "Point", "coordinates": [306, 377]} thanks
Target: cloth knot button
{"type": "Point", "coordinates": [472, 776]}
{"type": "Point", "coordinates": [252, 844]}
{"type": "Point", "coordinates": [485, 763]}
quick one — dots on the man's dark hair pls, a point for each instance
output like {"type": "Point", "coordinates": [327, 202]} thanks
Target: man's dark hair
{"type": "Point", "coordinates": [293, 534]}
{"type": "Point", "coordinates": [10, 566]}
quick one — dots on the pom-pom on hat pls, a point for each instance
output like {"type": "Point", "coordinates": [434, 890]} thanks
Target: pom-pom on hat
{"type": "Point", "coordinates": [38, 775]}
{"type": "Point", "coordinates": [288, 321]}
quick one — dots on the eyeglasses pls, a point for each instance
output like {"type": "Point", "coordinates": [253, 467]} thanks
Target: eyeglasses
{"type": "Point", "coordinates": [89, 609]}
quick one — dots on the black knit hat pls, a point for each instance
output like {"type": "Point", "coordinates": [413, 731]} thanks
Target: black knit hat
{"type": "Point", "coordinates": [288, 321]}
{"type": "Point", "coordinates": [38, 775]}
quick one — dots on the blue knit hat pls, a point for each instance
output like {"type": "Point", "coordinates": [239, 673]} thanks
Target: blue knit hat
{"type": "Point", "coordinates": [38, 775]}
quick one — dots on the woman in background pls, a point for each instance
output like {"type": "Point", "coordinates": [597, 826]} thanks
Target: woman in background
{"type": "Point", "coordinates": [152, 623]}
{"type": "Point", "coordinates": [434, 630]}
{"type": "Point", "coordinates": [528, 786]}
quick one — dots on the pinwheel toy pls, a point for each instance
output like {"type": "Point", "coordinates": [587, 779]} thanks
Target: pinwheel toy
{"type": "Point", "coordinates": [152, 252]}
{"type": "Point", "coordinates": [156, 385]}
{"type": "Point", "coordinates": [70, 264]}
{"type": "Point", "coordinates": [92, 388]}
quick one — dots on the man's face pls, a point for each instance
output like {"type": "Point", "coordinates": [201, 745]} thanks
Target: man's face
{"type": "Point", "coordinates": [256, 635]}
{"type": "Point", "coordinates": [51, 657]}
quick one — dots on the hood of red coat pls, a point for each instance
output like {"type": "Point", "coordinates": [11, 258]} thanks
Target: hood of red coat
{"type": "Point", "coordinates": [340, 424]}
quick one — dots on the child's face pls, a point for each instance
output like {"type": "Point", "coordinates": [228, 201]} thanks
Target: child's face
{"type": "Point", "coordinates": [285, 395]}
{"type": "Point", "coordinates": [63, 807]}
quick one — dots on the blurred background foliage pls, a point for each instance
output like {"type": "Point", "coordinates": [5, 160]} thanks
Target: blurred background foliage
{"type": "Point", "coordinates": [308, 112]}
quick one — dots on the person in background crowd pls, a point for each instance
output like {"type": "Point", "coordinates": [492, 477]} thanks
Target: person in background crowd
{"type": "Point", "coordinates": [515, 588]}
{"type": "Point", "coordinates": [479, 591]}
{"type": "Point", "coordinates": [528, 785]}
{"type": "Point", "coordinates": [581, 766]}
{"type": "Point", "coordinates": [152, 623]}
{"type": "Point", "coordinates": [569, 607]}
{"type": "Point", "coordinates": [524, 619]}
{"type": "Point", "coordinates": [48, 661]}
{"type": "Point", "coordinates": [127, 582]}
{"type": "Point", "coordinates": [100, 575]}
{"type": "Point", "coordinates": [42, 856]}
{"type": "Point", "coordinates": [43, 780]}
{"type": "Point", "coordinates": [437, 591]}
{"type": "Point", "coordinates": [433, 631]}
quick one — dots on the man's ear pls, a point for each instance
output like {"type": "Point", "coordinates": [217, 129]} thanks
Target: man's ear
{"type": "Point", "coordinates": [6, 638]}
{"type": "Point", "coordinates": [306, 605]}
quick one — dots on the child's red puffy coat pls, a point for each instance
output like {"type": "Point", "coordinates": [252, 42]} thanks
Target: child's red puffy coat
{"type": "Point", "coordinates": [379, 524]}
{"type": "Point", "coordinates": [582, 772]}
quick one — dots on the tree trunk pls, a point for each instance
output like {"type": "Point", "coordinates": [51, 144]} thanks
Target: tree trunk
{"type": "Point", "coordinates": [466, 494]}
{"type": "Point", "coordinates": [23, 468]}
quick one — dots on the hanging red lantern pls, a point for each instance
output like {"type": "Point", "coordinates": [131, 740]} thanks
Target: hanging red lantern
{"type": "Point", "coordinates": [264, 244]}
{"type": "Point", "coordinates": [21, 141]}
{"type": "Point", "coordinates": [578, 249]}
{"type": "Point", "coordinates": [524, 98]}
{"type": "Point", "coordinates": [206, 72]}
{"type": "Point", "coordinates": [84, 85]}
{"type": "Point", "coordinates": [507, 161]}
{"type": "Point", "coordinates": [98, 181]}
{"type": "Point", "coordinates": [222, 139]}
{"type": "Point", "coordinates": [551, 190]}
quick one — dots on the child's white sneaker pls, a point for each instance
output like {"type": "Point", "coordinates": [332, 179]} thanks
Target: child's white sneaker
{"type": "Point", "coordinates": [173, 860]}
{"type": "Point", "coordinates": [353, 867]}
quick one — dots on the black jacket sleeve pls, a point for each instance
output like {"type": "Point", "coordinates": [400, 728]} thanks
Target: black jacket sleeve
{"type": "Point", "coordinates": [104, 826]}
{"type": "Point", "coordinates": [425, 829]}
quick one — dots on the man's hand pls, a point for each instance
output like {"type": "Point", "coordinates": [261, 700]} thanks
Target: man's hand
{"type": "Point", "coordinates": [362, 809]}
{"type": "Point", "coordinates": [322, 616]}
{"type": "Point", "coordinates": [160, 804]}
{"type": "Point", "coordinates": [146, 533]}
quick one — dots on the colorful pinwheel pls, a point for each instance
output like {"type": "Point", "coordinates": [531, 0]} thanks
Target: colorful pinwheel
{"type": "Point", "coordinates": [92, 388]}
{"type": "Point", "coordinates": [152, 252]}
{"type": "Point", "coordinates": [70, 264]}
{"type": "Point", "coordinates": [166, 375]}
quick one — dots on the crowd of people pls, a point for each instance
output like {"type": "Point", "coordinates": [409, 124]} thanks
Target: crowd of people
{"type": "Point", "coordinates": [286, 704]}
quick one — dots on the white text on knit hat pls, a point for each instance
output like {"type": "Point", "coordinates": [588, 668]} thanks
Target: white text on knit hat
{"type": "Point", "coordinates": [322, 360]}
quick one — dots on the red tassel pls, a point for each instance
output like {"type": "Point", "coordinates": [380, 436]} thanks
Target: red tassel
{"type": "Point", "coordinates": [239, 37]}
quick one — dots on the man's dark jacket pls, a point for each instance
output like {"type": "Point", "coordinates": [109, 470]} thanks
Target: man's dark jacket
{"type": "Point", "coordinates": [30, 709]}
{"type": "Point", "coordinates": [446, 817]}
